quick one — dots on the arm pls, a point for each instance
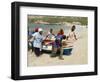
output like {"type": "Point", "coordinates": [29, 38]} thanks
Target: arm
{"type": "Point", "coordinates": [46, 37]}
{"type": "Point", "coordinates": [75, 36]}
{"type": "Point", "coordinates": [31, 39]}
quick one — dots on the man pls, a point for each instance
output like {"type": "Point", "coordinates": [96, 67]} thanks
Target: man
{"type": "Point", "coordinates": [50, 35]}
{"type": "Point", "coordinates": [38, 39]}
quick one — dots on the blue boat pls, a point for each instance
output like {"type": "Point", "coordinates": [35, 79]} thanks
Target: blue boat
{"type": "Point", "coordinates": [67, 51]}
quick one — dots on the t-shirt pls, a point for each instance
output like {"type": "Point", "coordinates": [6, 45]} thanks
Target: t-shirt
{"type": "Point", "coordinates": [50, 35]}
{"type": "Point", "coordinates": [38, 38]}
{"type": "Point", "coordinates": [72, 35]}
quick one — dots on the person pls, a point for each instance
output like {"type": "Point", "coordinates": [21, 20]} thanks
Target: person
{"type": "Point", "coordinates": [64, 44]}
{"type": "Point", "coordinates": [57, 45]}
{"type": "Point", "coordinates": [64, 41]}
{"type": "Point", "coordinates": [30, 41]}
{"type": "Point", "coordinates": [38, 39]}
{"type": "Point", "coordinates": [30, 46]}
{"type": "Point", "coordinates": [72, 35]}
{"type": "Point", "coordinates": [56, 49]}
{"type": "Point", "coordinates": [36, 30]}
{"type": "Point", "coordinates": [50, 34]}
{"type": "Point", "coordinates": [61, 32]}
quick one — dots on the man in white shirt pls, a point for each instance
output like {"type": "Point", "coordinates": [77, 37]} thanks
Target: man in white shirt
{"type": "Point", "coordinates": [38, 39]}
{"type": "Point", "coordinates": [50, 35]}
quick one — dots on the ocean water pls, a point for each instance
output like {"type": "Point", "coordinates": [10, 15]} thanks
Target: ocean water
{"type": "Point", "coordinates": [56, 28]}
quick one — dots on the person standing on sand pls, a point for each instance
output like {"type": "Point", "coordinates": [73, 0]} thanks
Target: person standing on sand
{"type": "Point", "coordinates": [56, 48]}
{"type": "Point", "coordinates": [57, 45]}
{"type": "Point", "coordinates": [38, 39]}
{"type": "Point", "coordinates": [31, 41]}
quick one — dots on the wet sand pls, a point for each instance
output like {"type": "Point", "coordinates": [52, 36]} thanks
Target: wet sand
{"type": "Point", "coordinates": [79, 54]}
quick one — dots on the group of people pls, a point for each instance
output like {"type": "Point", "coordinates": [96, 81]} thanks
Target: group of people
{"type": "Point", "coordinates": [58, 41]}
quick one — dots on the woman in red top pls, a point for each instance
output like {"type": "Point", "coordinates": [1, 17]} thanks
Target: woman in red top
{"type": "Point", "coordinates": [61, 32]}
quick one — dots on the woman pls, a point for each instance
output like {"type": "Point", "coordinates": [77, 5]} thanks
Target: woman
{"type": "Point", "coordinates": [61, 32]}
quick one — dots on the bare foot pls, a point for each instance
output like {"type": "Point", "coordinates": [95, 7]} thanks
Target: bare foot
{"type": "Point", "coordinates": [61, 58]}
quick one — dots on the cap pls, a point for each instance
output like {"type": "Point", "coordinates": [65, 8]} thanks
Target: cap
{"type": "Point", "coordinates": [40, 29]}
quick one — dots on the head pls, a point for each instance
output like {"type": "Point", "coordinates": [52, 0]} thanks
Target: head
{"type": "Point", "coordinates": [61, 32]}
{"type": "Point", "coordinates": [64, 37]}
{"type": "Point", "coordinates": [51, 30]}
{"type": "Point", "coordinates": [73, 28]}
{"type": "Point", "coordinates": [67, 37]}
{"type": "Point", "coordinates": [40, 30]}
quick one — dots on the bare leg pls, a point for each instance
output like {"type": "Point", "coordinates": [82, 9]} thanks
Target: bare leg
{"type": "Point", "coordinates": [54, 51]}
{"type": "Point", "coordinates": [61, 54]}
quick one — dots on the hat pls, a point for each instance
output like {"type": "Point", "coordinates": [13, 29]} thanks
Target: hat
{"type": "Point", "coordinates": [36, 29]}
{"type": "Point", "coordinates": [40, 29]}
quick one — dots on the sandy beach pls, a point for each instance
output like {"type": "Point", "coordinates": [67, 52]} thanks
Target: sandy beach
{"type": "Point", "coordinates": [79, 54]}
